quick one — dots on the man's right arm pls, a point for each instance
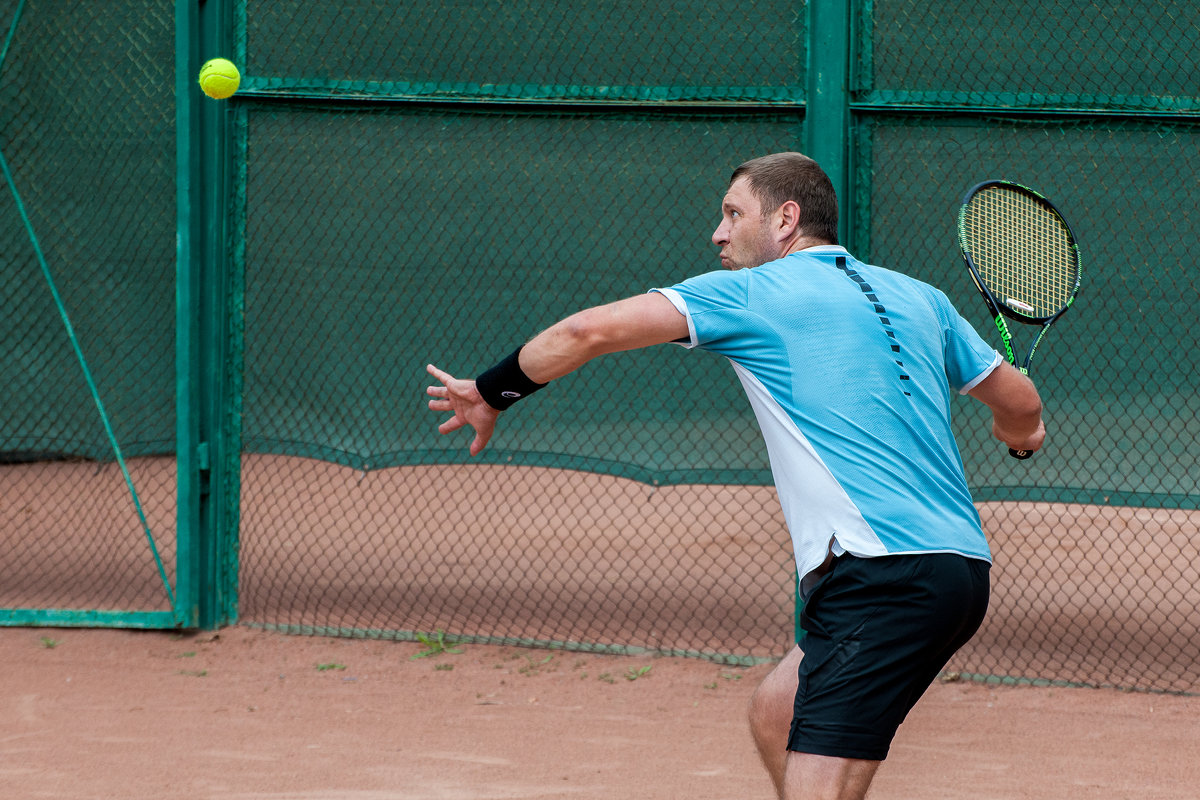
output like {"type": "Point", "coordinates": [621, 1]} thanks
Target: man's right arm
{"type": "Point", "coordinates": [1016, 407]}
{"type": "Point", "coordinates": [635, 322]}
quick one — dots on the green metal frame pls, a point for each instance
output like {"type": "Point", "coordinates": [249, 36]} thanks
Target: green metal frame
{"type": "Point", "coordinates": [181, 597]}
{"type": "Point", "coordinates": [209, 345]}
{"type": "Point", "coordinates": [827, 112]}
{"type": "Point", "coordinates": [839, 104]}
{"type": "Point", "coordinates": [188, 237]}
{"type": "Point", "coordinates": [210, 134]}
{"type": "Point", "coordinates": [207, 354]}
{"type": "Point", "coordinates": [81, 618]}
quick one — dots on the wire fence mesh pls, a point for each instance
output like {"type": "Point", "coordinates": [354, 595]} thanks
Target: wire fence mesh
{"type": "Point", "coordinates": [437, 184]}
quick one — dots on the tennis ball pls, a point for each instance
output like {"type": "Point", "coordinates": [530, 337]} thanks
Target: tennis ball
{"type": "Point", "coordinates": [219, 78]}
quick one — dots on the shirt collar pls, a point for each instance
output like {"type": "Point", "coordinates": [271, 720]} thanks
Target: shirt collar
{"type": "Point", "coordinates": [818, 249]}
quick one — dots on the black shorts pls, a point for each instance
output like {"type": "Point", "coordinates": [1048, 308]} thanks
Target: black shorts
{"type": "Point", "coordinates": [878, 632]}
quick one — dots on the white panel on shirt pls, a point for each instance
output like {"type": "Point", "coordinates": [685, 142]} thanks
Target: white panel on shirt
{"type": "Point", "coordinates": [819, 513]}
{"type": "Point", "coordinates": [815, 506]}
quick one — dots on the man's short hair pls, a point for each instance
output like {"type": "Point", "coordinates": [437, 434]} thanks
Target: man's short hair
{"type": "Point", "coordinates": [780, 177]}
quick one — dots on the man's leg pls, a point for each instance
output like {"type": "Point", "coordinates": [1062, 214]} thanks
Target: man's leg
{"type": "Point", "coordinates": [799, 776]}
{"type": "Point", "coordinates": [771, 710]}
{"type": "Point", "coordinates": [810, 777]}
{"type": "Point", "coordinates": [879, 631]}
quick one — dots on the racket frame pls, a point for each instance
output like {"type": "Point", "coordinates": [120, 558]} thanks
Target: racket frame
{"type": "Point", "coordinates": [1000, 310]}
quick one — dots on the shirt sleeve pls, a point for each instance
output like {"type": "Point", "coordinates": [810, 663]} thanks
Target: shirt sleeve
{"type": "Point", "coordinates": [681, 306]}
{"type": "Point", "coordinates": [969, 359]}
{"type": "Point", "coordinates": [706, 301]}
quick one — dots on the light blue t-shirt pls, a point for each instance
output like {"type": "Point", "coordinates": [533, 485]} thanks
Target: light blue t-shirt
{"type": "Point", "coordinates": [849, 368]}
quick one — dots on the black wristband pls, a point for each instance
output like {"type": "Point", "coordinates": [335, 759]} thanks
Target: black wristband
{"type": "Point", "coordinates": [505, 383]}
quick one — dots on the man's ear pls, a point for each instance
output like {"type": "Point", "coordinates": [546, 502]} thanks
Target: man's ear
{"type": "Point", "coordinates": [787, 220]}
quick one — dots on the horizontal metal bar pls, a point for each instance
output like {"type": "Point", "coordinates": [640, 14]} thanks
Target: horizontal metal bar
{"type": "Point", "coordinates": [720, 97]}
{"type": "Point", "coordinates": [81, 618]}
{"type": "Point", "coordinates": [993, 103]}
{"type": "Point", "coordinates": [789, 94]}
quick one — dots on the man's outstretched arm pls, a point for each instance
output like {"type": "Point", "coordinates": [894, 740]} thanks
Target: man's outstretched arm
{"type": "Point", "coordinates": [564, 347]}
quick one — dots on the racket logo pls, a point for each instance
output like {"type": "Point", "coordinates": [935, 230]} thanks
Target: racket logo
{"type": "Point", "coordinates": [1006, 338]}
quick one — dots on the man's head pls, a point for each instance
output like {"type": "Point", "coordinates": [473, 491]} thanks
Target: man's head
{"type": "Point", "coordinates": [775, 205]}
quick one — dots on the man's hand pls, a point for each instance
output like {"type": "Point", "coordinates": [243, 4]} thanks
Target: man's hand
{"type": "Point", "coordinates": [1032, 443]}
{"type": "Point", "coordinates": [468, 405]}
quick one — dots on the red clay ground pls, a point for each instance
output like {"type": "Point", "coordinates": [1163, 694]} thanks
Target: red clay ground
{"type": "Point", "coordinates": [250, 715]}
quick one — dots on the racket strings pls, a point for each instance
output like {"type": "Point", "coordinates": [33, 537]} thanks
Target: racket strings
{"type": "Point", "coordinates": [1022, 251]}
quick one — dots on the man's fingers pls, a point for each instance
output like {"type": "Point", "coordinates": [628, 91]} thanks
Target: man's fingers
{"type": "Point", "coordinates": [464, 403]}
{"type": "Point", "coordinates": [479, 443]}
{"type": "Point", "coordinates": [441, 375]}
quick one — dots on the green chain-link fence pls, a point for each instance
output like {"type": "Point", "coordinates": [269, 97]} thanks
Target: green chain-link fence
{"type": "Point", "coordinates": [399, 184]}
{"type": "Point", "coordinates": [87, 281]}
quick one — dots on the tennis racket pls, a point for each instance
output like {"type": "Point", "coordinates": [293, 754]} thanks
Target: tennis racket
{"type": "Point", "coordinates": [1023, 259]}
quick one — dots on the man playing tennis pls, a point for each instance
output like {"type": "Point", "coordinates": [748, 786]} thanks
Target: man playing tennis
{"type": "Point", "coordinates": [848, 368]}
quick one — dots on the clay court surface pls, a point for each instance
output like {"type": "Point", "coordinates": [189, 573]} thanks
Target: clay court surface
{"type": "Point", "coordinates": [1082, 594]}
{"type": "Point", "coordinates": [245, 714]}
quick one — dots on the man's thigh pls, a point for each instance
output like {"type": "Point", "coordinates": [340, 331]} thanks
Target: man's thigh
{"type": "Point", "coordinates": [878, 632]}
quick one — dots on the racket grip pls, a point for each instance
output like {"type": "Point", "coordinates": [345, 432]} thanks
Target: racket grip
{"type": "Point", "coordinates": [1020, 454]}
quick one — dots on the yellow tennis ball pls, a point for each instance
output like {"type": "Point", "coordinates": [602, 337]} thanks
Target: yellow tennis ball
{"type": "Point", "coordinates": [219, 78]}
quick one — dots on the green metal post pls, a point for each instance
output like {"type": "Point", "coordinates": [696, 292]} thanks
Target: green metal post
{"type": "Point", "coordinates": [188, 433]}
{"type": "Point", "coordinates": [220, 513]}
{"type": "Point", "coordinates": [206, 431]}
{"type": "Point", "coordinates": [827, 104]}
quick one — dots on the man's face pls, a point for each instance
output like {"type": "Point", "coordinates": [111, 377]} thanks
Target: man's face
{"type": "Point", "coordinates": [744, 233]}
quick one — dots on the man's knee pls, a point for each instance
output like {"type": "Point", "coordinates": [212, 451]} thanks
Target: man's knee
{"type": "Point", "coordinates": [809, 776]}
{"type": "Point", "coordinates": [765, 709]}
{"type": "Point", "coordinates": [773, 702]}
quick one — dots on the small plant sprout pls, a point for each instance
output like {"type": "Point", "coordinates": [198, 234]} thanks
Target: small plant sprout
{"type": "Point", "coordinates": [435, 644]}
{"type": "Point", "coordinates": [632, 674]}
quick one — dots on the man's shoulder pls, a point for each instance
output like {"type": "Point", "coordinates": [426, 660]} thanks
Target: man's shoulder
{"type": "Point", "coordinates": [905, 279]}
{"type": "Point", "coordinates": [719, 287]}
